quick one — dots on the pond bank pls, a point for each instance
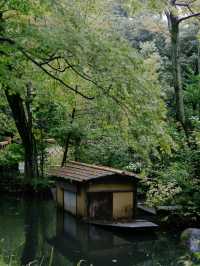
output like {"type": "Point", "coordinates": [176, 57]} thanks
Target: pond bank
{"type": "Point", "coordinates": [14, 184]}
{"type": "Point", "coordinates": [172, 221]}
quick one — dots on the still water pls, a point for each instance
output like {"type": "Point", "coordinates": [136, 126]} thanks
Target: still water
{"type": "Point", "coordinates": [34, 231]}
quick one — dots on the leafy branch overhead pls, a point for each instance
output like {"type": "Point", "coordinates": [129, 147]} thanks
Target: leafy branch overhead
{"type": "Point", "coordinates": [47, 62]}
{"type": "Point", "coordinates": [66, 50]}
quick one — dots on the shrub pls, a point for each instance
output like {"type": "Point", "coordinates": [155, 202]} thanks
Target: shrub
{"type": "Point", "coordinates": [11, 155]}
{"type": "Point", "coordinates": [176, 186]}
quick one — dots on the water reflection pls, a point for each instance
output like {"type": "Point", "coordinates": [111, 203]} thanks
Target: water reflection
{"type": "Point", "coordinates": [38, 225]}
{"type": "Point", "coordinates": [31, 228]}
{"type": "Point", "coordinates": [79, 241]}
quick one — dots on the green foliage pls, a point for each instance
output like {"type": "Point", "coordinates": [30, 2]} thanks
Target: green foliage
{"type": "Point", "coordinates": [160, 193]}
{"type": "Point", "coordinates": [174, 176]}
{"type": "Point", "coordinates": [41, 184]}
{"type": "Point", "coordinates": [176, 186]}
{"type": "Point", "coordinates": [7, 126]}
{"type": "Point", "coordinates": [124, 84]}
{"type": "Point", "coordinates": [109, 149]}
{"type": "Point", "coordinates": [190, 259]}
{"type": "Point", "coordinates": [11, 155]}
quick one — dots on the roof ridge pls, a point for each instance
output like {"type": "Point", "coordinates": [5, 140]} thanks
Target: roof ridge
{"type": "Point", "coordinates": [106, 168]}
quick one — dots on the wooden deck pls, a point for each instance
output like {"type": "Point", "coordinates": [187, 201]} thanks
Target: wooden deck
{"type": "Point", "coordinates": [133, 225]}
{"type": "Point", "coordinates": [146, 209]}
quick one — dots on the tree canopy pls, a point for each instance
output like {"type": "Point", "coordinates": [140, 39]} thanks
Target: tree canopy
{"type": "Point", "coordinates": [108, 82]}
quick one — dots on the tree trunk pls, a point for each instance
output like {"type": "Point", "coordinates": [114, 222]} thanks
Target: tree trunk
{"type": "Point", "coordinates": [66, 149]}
{"type": "Point", "coordinates": [42, 153]}
{"type": "Point", "coordinates": [198, 72]}
{"type": "Point", "coordinates": [25, 132]}
{"type": "Point", "coordinates": [176, 68]}
{"type": "Point", "coordinates": [67, 141]}
{"type": "Point", "coordinates": [77, 150]}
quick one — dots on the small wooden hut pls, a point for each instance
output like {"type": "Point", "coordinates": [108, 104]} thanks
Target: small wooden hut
{"type": "Point", "coordinates": [95, 192]}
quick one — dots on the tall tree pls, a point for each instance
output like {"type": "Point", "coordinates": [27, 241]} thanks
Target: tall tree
{"type": "Point", "coordinates": [26, 18]}
{"type": "Point", "coordinates": [176, 12]}
{"type": "Point", "coordinates": [25, 130]}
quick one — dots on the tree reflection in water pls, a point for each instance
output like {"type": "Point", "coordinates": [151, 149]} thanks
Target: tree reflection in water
{"type": "Point", "coordinates": [31, 230]}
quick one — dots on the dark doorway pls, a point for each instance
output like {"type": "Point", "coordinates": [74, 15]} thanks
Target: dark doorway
{"type": "Point", "coordinates": [100, 205]}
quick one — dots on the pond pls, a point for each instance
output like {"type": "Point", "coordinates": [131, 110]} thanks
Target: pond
{"type": "Point", "coordinates": [35, 232]}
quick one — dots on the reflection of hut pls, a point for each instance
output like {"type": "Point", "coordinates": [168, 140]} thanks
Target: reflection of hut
{"type": "Point", "coordinates": [95, 192]}
{"type": "Point", "coordinates": [79, 241]}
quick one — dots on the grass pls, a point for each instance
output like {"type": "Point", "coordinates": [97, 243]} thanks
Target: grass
{"type": "Point", "coordinates": [34, 262]}
{"type": "Point", "coordinates": [12, 262]}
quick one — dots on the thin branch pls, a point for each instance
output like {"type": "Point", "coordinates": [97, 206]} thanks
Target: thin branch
{"type": "Point", "coordinates": [6, 39]}
{"type": "Point", "coordinates": [182, 4]}
{"type": "Point", "coordinates": [49, 60]}
{"type": "Point", "coordinates": [53, 76]}
{"type": "Point", "coordinates": [28, 56]}
{"type": "Point", "coordinates": [106, 92]}
{"type": "Point", "coordinates": [84, 76]}
{"type": "Point", "coordinates": [188, 17]}
{"type": "Point", "coordinates": [58, 69]}
{"type": "Point", "coordinates": [190, 9]}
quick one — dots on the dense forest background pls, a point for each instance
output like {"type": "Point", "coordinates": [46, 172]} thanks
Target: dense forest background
{"type": "Point", "coordinates": [115, 83]}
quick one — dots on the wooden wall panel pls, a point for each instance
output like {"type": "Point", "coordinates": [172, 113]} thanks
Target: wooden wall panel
{"type": "Point", "coordinates": [123, 205]}
{"type": "Point", "coordinates": [70, 202]}
{"type": "Point", "coordinates": [82, 202]}
{"type": "Point", "coordinates": [106, 187]}
{"type": "Point", "coordinates": [60, 196]}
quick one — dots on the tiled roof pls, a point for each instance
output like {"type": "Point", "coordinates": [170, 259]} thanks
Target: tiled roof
{"type": "Point", "coordinates": [82, 172]}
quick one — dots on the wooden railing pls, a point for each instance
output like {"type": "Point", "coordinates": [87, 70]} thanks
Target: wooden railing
{"type": "Point", "coordinates": [6, 142]}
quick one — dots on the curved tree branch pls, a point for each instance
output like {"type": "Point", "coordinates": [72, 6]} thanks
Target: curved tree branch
{"type": "Point", "coordinates": [189, 16]}
{"type": "Point", "coordinates": [84, 76]}
{"type": "Point", "coordinates": [53, 76]}
{"type": "Point", "coordinates": [35, 62]}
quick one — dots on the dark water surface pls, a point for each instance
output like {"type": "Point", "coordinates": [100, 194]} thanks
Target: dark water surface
{"type": "Point", "coordinates": [34, 231]}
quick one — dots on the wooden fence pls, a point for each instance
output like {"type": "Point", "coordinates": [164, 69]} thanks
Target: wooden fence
{"type": "Point", "coordinates": [6, 142]}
